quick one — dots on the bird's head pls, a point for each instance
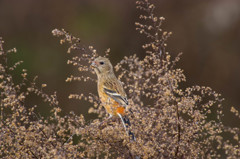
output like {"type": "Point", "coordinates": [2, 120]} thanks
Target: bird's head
{"type": "Point", "coordinates": [102, 66]}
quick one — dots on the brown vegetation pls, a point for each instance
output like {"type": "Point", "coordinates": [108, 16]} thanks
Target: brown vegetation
{"type": "Point", "coordinates": [168, 122]}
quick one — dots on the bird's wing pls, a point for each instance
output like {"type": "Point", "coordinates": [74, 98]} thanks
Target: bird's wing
{"type": "Point", "coordinates": [116, 96]}
{"type": "Point", "coordinates": [116, 92]}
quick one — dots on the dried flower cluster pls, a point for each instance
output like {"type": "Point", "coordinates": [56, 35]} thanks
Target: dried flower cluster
{"type": "Point", "coordinates": [168, 122]}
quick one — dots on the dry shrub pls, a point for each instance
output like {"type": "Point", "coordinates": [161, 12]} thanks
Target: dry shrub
{"type": "Point", "coordinates": [168, 122]}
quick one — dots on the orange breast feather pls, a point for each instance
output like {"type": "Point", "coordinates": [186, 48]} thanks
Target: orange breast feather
{"type": "Point", "coordinates": [111, 106]}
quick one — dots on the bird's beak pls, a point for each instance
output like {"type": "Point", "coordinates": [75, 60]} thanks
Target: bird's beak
{"type": "Point", "coordinates": [93, 65]}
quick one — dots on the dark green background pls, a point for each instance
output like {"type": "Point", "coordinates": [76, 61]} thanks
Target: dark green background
{"type": "Point", "coordinates": [207, 32]}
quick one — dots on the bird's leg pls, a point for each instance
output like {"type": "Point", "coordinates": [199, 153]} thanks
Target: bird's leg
{"type": "Point", "coordinates": [106, 120]}
{"type": "Point", "coordinates": [109, 117]}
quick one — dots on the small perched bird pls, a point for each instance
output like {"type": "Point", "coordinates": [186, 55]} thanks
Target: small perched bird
{"type": "Point", "coordinates": [111, 92]}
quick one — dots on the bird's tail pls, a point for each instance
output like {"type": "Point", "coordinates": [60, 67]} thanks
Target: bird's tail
{"type": "Point", "coordinates": [127, 124]}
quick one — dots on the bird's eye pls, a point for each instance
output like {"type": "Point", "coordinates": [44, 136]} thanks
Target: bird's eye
{"type": "Point", "coordinates": [101, 63]}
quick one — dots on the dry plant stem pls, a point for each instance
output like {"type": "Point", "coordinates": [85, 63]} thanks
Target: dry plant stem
{"type": "Point", "coordinates": [178, 122]}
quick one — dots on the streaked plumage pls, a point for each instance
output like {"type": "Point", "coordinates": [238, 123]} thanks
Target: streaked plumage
{"type": "Point", "coordinates": [111, 92]}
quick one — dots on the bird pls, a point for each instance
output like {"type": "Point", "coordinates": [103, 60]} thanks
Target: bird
{"type": "Point", "coordinates": [111, 92]}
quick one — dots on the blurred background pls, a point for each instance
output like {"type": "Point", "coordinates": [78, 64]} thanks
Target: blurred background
{"type": "Point", "coordinates": [207, 32]}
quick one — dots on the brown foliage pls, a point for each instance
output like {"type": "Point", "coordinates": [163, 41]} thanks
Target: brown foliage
{"type": "Point", "coordinates": [168, 122]}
